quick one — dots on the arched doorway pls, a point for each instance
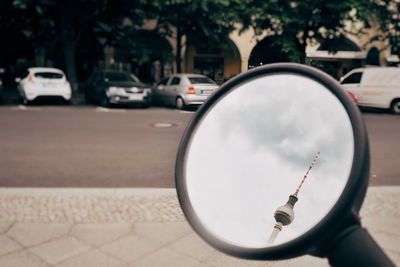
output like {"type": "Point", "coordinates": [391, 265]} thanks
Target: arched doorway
{"type": "Point", "coordinates": [219, 61]}
{"type": "Point", "coordinates": [373, 57]}
{"type": "Point", "coordinates": [267, 51]}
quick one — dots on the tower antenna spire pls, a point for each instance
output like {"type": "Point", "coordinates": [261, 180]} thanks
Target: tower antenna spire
{"type": "Point", "coordinates": [284, 215]}
{"type": "Point", "coordinates": [305, 176]}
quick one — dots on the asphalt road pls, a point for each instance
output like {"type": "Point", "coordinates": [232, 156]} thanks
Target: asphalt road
{"type": "Point", "coordinates": [384, 139]}
{"type": "Point", "coordinates": [87, 146]}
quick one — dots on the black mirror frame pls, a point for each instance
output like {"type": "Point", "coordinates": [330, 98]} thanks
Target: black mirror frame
{"type": "Point", "coordinates": [349, 201]}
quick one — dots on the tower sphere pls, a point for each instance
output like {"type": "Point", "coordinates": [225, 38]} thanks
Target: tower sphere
{"type": "Point", "coordinates": [285, 214]}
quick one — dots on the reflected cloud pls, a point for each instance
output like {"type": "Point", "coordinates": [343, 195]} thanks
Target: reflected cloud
{"type": "Point", "coordinates": [251, 150]}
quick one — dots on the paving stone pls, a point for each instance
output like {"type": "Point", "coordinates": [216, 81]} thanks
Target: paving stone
{"type": "Point", "coordinates": [22, 259]}
{"type": "Point", "coordinates": [194, 247]}
{"type": "Point", "coordinates": [159, 228]}
{"type": "Point", "coordinates": [165, 257]}
{"type": "Point", "coordinates": [90, 205]}
{"type": "Point", "coordinates": [300, 261]}
{"type": "Point", "coordinates": [8, 245]}
{"type": "Point", "coordinates": [101, 234]}
{"type": "Point", "coordinates": [5, 226]}
{"type": "Point", "coordinates": [389, 225]}
{"type": "Point", "coordinates": [386, 240]}
{"type": "Point", "coordinates": [162, 233]}
{"type": "Point", "coordinates": [60, 249]}
{"type": "Point", "coordinates": [93, 258]}
{"type": "Point", "coordinates": [222, 260]}
{"type": "Point", "coordinates": [204, 264]}
{"type": "Point", "coordinates": [29, 234]}
{"type": "Point", "coordinates": [394, 256]}
{"type": "Point", "coordinates": [130, 248]}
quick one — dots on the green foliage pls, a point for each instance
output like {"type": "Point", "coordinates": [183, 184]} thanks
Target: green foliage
{"type": "Point", "coordinates": [58, 24]}
{"type": "Point", "coordinates": [48, 23]}
{"type": "Point", "coordinates": [387, 14]}
{"type": "Point", "coordinates": [145, 46]}
{"type": "Point", "coordinates": [208, 21]}
{"type": "Point", "coordinates": [299, 23]}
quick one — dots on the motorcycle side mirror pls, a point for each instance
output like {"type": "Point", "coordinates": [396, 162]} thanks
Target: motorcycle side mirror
{"type": "Point", "coordinates": [275, 165]}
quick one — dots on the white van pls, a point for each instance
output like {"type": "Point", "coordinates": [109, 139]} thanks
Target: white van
{"type": "Point", "coordinates": [377, 87]}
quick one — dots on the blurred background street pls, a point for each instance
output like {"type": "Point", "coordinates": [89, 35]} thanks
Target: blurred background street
{"type": "Point", "coordinates": [89, 146]}
{"type": "Point", "coordinates": [95, 96]}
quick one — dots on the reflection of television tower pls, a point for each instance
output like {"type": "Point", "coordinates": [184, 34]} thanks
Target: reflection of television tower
{"type": "Point", "coordinates": [284, 215]}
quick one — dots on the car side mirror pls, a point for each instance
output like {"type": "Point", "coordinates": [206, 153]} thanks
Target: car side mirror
{"type": "Point", "coordinates": [275, 165]}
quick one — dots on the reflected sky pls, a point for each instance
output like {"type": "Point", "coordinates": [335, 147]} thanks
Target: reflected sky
{"type": "Point", "coordinates": [252, 149]}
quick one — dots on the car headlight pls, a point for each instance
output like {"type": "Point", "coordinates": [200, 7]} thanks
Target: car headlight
{"type": "Point", "coordinates": [147, 91]}
{"type": "Point", "coordinates": [112, 90]}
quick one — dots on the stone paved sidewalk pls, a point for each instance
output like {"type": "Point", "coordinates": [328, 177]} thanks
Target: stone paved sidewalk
{"type": "Point", "coordinates": [138, 227]}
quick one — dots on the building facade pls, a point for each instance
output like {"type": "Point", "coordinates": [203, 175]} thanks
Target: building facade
{"type": "Point", "coordinates": [246, 49]}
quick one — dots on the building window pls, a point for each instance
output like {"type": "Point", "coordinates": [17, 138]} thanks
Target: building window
{"type": "Point", "coordinates": [212, 67]}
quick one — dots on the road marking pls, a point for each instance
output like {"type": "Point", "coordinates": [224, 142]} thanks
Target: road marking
{"type": "Point", "coordinates": [22, 107]}
{"type": "Point", "coordinates": [186, 112]}
{"type": "Point", "coordinates": [102, 109]}
{"type": "Point", "coordinates": [164, 125]}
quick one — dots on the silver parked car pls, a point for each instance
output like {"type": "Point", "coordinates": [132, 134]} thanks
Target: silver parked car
{"type": "Point", "coordinates": [181, 90]}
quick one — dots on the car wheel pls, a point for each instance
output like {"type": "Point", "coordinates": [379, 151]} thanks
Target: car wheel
{"type": "Point", "coordinates": [104, 101]}
{"type": "Point", "coordinates": [179, 103]}
{"type": "Point", "coordinates": [25, 101]}
{"type": "Point", "coordinates": [395, 107]}
{"type": "Point", "coordinates": [88, 100]}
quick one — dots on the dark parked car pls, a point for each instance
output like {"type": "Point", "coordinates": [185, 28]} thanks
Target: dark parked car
{"type": "Point", "coordinates": [116, 87]}
{"type": "Point", "coordinates": [1, 90]}
{"type": "Point", "coordinates": [1, 84]}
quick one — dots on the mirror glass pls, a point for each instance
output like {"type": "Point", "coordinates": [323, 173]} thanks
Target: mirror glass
{"type": "Point", "coordinates": [252, 150]}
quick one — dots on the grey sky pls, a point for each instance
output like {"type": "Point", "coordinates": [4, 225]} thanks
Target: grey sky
{"type": "Point", "coordinates": [253, 148]}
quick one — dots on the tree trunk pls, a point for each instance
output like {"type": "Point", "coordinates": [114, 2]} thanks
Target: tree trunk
{"type": "Point", "coordinates": [70, 64]}
{"type": "Point", "coordinates": [178, 58]}
{"type": "Point", "coordinates": [302, 48]}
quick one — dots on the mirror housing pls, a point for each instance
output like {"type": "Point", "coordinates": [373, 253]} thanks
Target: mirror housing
{"type": "Point", "coordinates": [321, 237]}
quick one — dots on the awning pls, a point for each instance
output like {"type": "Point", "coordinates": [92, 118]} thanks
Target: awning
{"type": "Point", "coordinates": [321, 54]}
{"type": "Point", "coordinates": [393, 59]}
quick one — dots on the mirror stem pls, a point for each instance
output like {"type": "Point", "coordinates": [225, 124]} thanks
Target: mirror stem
{"type": "Point", "coordinates": [357, 248]}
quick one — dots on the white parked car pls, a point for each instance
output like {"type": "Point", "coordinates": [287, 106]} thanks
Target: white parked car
{"type": "Point", "coordinates": [38, 83]}
{"type": "Point", "coordinates": [377, 87]}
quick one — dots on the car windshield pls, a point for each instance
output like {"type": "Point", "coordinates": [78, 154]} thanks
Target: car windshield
{"type": "Point", "coordinates": [197, 80]}
{"type": "Point", "coordinates": [120, 77]}
{"type": "Point", "coordinates": [48, 75]}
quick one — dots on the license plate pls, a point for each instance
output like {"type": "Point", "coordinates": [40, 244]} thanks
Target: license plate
{"type": "Point", "coordinates": [207, 92]}
{"type": "Point", "coordinates": [136, 97]}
